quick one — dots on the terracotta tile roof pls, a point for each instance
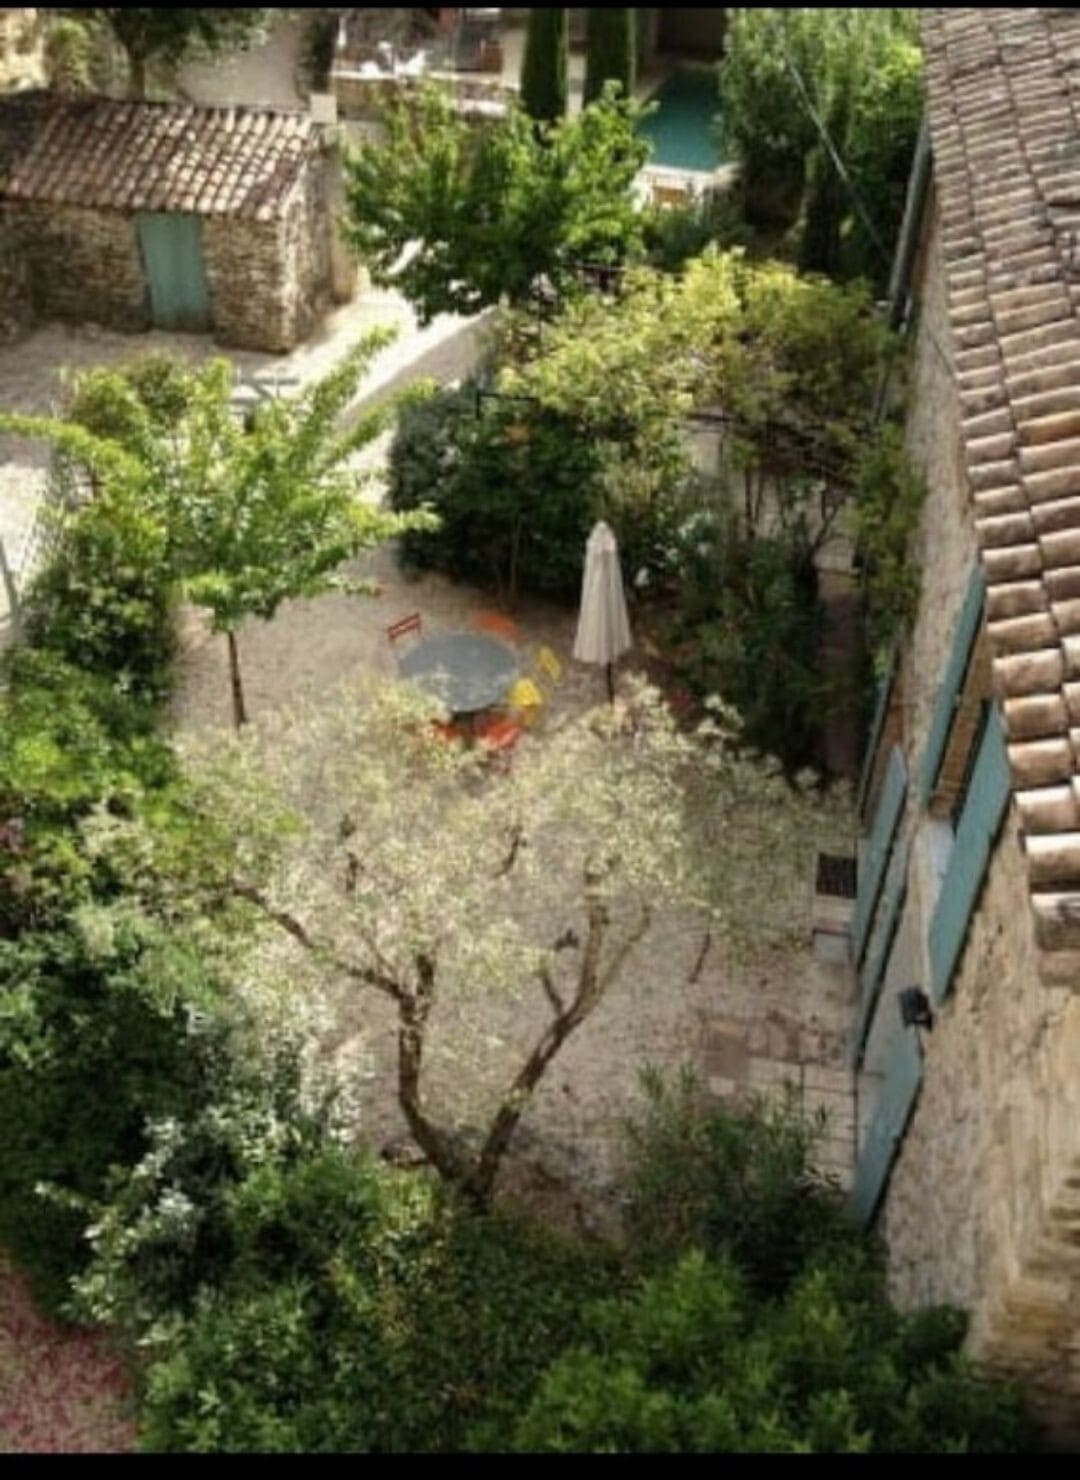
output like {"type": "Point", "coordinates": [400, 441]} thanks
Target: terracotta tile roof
{"type": "Point", "coordinates": [1004, 113]}
{"type": "Point", "coordinates": [132, 156]}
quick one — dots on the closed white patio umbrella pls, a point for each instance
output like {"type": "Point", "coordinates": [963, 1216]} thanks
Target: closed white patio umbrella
{"type": "Point", "coordinates": [603, 632]}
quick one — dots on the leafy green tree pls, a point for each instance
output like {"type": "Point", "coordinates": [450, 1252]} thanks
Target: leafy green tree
{"type": "Point", "coordinates": [610, 51]}
{"type": "Point", "coordinates": [854, 74]}
{"type": "Point", "coordinates": [485, 211]}
{"type": "Point", "coordinates": [159, 35]}
{"type": "Point", "coordinates": [585, 838]}
{"type": "Point", "coordinates": [543, 66]}
{"type": "Point", "coordinates": [253, 513]}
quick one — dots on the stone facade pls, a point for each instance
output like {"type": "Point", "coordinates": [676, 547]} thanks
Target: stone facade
{"type": "Point", "coordinates": [83, 265]}
{"type": "Point", "coordinates": [270, 282]}
{"type": "Point", "coordinates": [983, 1203]}
{"type": "Point", "coordinates": [15, 309]}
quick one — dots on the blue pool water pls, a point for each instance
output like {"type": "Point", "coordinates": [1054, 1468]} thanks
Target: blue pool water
{"type": "Point", "coordinates": [681, 130]}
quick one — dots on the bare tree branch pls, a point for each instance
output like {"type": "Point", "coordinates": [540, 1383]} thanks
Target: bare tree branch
{"type": "Point", "coordinates": [299, 932]}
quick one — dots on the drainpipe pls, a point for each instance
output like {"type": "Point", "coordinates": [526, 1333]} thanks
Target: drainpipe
{"type": "Point", "coordinates": [910, 230]}
{"type": "Point", "coordinates": [899, 292]}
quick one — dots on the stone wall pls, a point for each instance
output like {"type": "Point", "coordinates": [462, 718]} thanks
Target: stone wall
{"type": "Point", "coordinates": [16, 313]}
{"type": "Point", "coordinates": [983, 1207]}
{"type": "Point", "coordinates": [245, 270]}
{"type": "Point", "coordinates": [946, 542]}
{"type": "Point", "coordinates": [271, 281]}
{"type": "Point", "coordinates": [83, 265]}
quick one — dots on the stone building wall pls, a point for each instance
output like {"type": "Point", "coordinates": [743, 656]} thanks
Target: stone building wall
{"type": "Point", "coordinates": [271, 281]}
{"type": "Point", "coordinates": [946, 542]}
{"type": "Point", "coordinates": [249, 299]}
{"type": "Point", "coordinates": [83, 265]}
{"type": "Point", "coordinates": [16, 313]}
{"type": "Point", "coordinates": [983, 1206]}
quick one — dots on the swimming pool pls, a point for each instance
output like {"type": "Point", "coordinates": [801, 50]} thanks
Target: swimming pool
{"type": "Point", "coordinates": [681, 129]}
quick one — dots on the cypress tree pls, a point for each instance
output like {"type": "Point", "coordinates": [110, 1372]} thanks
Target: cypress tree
{"type": "Point", "coordinates": [610, 51]}
{"type": "Point", "coordinates": [543, 67]}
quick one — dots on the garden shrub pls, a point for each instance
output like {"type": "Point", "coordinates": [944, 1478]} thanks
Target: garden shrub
{"type": "Point", "coordinates": [96, 1035]}
{"type": "Point", "coordinates": [888, 501]}
{"type": "Point", "coordinates": [366, 1310]}
{"type": "Point", "coordinates": [735, 1184]}
{"type": "Point", "coordinates": [694, 1363]}
{"type": "Point", "coordinates": [517, 490]}
{"type": "Point", "coordinates": [104, 600]}
{"type": "Point", "coordinates": [748, 628]}
{"type": "Point", "coordinates": [69, 741]}
{"type": "Point", "coordinates": [760, 1321]}
{"type": "Point", "coordinates": [674, 235]}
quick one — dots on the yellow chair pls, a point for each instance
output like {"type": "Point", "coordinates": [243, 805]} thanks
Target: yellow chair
{"type": "Point", "coordinates": [549, 664]}
{"type": "Point", "coordinates": [525, 700]}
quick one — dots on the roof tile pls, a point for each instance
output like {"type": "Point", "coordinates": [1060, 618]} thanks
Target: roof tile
{"type": "Point", "coordinates": [104, 153]}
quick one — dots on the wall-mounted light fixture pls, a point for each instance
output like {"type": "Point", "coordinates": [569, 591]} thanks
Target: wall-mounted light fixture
{"type": "Point", "coordinates": [915, 1008]}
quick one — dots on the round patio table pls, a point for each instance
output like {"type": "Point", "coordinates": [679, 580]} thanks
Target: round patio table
{"type": "Point", "coordinates": [466, 671]}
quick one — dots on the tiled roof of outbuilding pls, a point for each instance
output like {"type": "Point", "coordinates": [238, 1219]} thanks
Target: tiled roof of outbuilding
{"type": "Point", "coordinates": [109, 154]}
{"type": "Point", "coordinates": [1004, 115]}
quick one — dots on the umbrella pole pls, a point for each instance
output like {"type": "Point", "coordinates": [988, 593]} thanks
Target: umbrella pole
{"type": "Point", "coordinates": [610, 683]}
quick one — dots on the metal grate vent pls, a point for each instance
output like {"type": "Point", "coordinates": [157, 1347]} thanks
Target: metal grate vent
{"type": "Point", "coordinates": [835, 875]}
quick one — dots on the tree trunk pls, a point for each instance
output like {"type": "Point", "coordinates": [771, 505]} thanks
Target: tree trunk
{"type": "Point", "coordinates": [448, 1158]}
{"type": "Point", "coordinates": [239, 712]}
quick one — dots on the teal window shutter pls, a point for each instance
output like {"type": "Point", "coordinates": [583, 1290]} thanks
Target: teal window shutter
{"type": "Point", "coordinates": [984, 808]}
{"type": "Point", "coordinates": [967, 628]}
{"type": "Point", "coordinates": [879, 843]}
{"type": "Point", "coordinates": [879, 947]}
{"type": "Point", "coordinates": [881, 709]}
{"type": "Point", "coordinates": [903, 1075]}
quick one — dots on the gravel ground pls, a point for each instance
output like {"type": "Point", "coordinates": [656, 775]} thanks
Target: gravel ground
{"type": "Point", "coordinates": [61, 1392]}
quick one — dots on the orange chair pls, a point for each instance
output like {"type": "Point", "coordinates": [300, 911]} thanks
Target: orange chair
{"type": "Point", "coordinates": [498, 736]}
{"type": "Point", "coordinates": [448, 732]}
{"type": "Point", "coordinates": [496, 624]}
{"type": "Point", "coordinates": [411, 623]}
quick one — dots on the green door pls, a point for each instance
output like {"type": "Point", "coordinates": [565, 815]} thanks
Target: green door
{"type": "Point", "coordinates": [172, 251]}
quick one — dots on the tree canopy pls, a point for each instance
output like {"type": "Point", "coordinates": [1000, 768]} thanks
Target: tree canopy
{"type": "Point", "coordinates": [544, 63]}
{"type": "Point", "coordinates": [484, 918]}
{"type": "Point", "coordinates": [457, 216]}
{"type": "Point", "coordinates": [787, 77]}
{"type": "Point", "coordinates": [610, 50]}
{"type": "Point", "coordinates": [169, 36]}
{"type": "Point", "coordinates": [253, 511]}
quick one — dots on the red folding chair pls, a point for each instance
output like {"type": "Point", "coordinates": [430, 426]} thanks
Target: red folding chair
{"type": "Point", "coordinates": [496, 624]}
{"type": "Point", "coordinates": [405, 625]}
{"type": "Point", "coordinates": [497, 736]}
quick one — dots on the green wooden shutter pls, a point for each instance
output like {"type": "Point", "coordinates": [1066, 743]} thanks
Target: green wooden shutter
{"type": "Point", "coordinates": [903, 1075]}
{"type": "Point", "coordinates": [879, 947]}
{"type": "Point", "coordinates": [172, 252]}
{"type": "Point", "coordinates": [878, 847]}
{"type": "Point", "coordinates": [967, 627]}
{"type": "Point", "coordinates": [984, 808]}
{"type": "Point", "coordinates": [881, 709]}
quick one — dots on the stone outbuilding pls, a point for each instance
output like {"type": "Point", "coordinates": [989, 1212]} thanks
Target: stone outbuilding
{"type": "Point", "coordinates": [139, 215]}
{"type": "Point", "coordinates": [966, 928]}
